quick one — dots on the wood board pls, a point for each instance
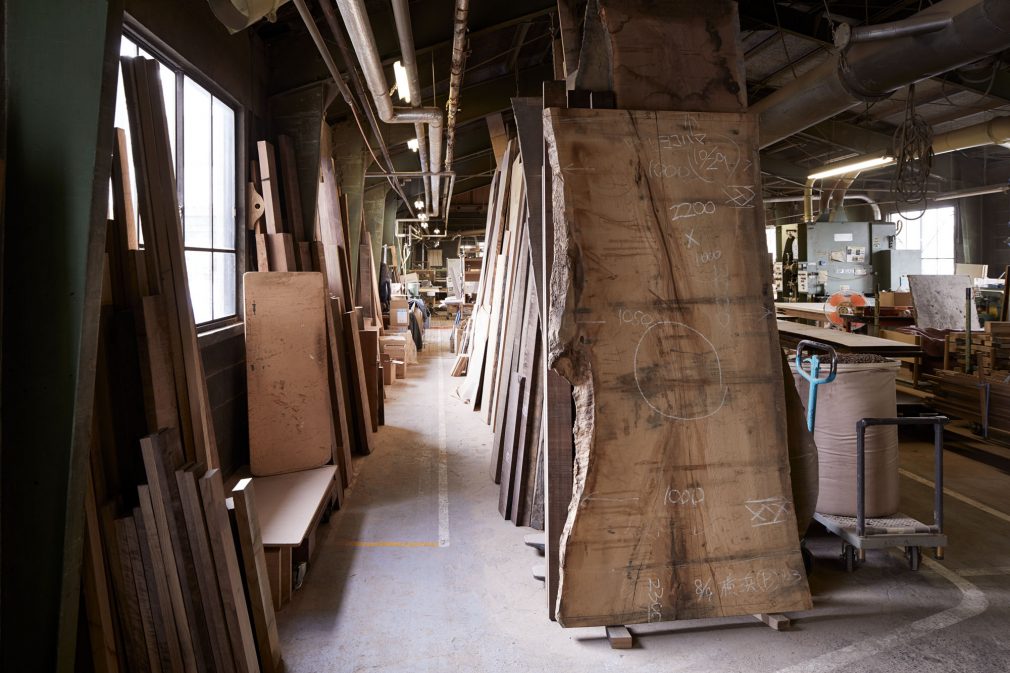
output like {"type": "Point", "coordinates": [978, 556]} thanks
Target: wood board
{"type": "Point", "coordinates": [558, 477]}
{"type": "Point", "coordinates": [288, 504]}
{"type": "Point", "coordinates": [939, 302]}
{"type": "Point", "coordinates": [243, 504]}
{"type": "Point", "coordinates": [290, 417]}
{"type": "Point", "coordinates": [697, 508]}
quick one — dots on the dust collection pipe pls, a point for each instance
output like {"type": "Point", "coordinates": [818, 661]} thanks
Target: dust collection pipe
{"type": "Point", "coordinates": [401, 14]}
{"type": "Point", "coordinates": [846, 35]}
{"type": "Point", "coordinates": [857, 197]}
{"type": "Point", "coordinates": [359, 28]}
{"type": "Point", "coordinates": [993, 132]}
{"type": "Point", "coordinates": [873, 70]}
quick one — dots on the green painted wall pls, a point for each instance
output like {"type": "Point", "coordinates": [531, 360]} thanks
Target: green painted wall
{"type": "Point", "coordinates": [55, 71]}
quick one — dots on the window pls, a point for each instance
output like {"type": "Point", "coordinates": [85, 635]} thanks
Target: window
{"type": "Point", "coordinates": [201, 131]}
{"type": "Point", "coordinates": [933, 235]}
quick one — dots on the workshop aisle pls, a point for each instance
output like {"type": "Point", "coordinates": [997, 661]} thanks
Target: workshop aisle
{"type": "Point", "coordinates": [419, 573]}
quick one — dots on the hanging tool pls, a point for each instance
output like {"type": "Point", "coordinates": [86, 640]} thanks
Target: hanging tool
{"type": "Point", "coordinates": [814, 375]}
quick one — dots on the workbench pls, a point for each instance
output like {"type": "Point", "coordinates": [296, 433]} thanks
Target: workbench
{"type": "Point", "coordinates": [791, 333]}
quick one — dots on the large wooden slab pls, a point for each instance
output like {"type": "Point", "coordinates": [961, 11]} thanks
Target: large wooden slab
{"type": "Point", "coordinates": [940, 302]}
{"type": "Point", "coordinates": [682, 505]}
{"type": "Point", "coordinates": [288, 504]}
{"type": "Point", "coordinates": [290, 420]}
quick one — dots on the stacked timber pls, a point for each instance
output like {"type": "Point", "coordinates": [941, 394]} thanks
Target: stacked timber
{"type": "Point", "coordinates": [989, 353]}
{"type": "Point", "coordinates": [172, 576]}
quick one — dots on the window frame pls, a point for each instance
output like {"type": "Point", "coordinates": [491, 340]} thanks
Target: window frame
{"type": "Point", "coordinates": [898, 217]}
{"type": "Point", "coordinates": [182, 68]}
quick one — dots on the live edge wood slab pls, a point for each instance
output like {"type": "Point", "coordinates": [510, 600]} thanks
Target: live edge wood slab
{"type": "Point", "coordinates": [682, 501]}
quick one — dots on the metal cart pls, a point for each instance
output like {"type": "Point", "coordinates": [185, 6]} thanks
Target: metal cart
{"type": "Point", "coordinates": [860, 533]}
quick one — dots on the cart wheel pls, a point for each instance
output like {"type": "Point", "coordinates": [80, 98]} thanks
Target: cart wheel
{"type": "Point", "coordinates": [849, 556]}
{"type": "Point", "coordinates": [914, 557]}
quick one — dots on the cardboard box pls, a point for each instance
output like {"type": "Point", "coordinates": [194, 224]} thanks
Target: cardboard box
{"type": "Point", "coordinates": [894, 299]}
{"type": "Point", "coordinates": [399, 314]}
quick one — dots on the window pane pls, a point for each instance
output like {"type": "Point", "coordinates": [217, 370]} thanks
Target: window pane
{"type": "Point", "coordinates": [127, 47]}
{"type": "Point", "coordinates": [945, 266]}
{"type": "Point", "coordinates": [224, 284]}
{"type": "Point", "coordinates": [199, 268]}
{"type": "Point", "coordinates": [224, 176]}
{"type": "Point", "coordinates": [197, 197]}
{"type": "Point", "coordinates": [930, 267]}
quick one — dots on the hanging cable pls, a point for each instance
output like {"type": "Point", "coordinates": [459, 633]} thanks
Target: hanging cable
{"type": "Point", "coordinates": [913, 153]}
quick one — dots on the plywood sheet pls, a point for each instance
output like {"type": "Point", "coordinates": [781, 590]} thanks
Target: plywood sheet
{"type": "Point", "coordinates": [290, 421]}
{"type": "Point", "coordinates": [682, 500]}
{"type": "Point", "coordinates": [939, 302]}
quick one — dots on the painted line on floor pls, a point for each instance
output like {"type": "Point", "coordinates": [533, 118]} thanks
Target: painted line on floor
{"type": "Point", "coordinates": [957, 496]}
{"type": "Point", "coordinates": [364, 543]}
{"type": "Point", "coordinates": [443, 467]}
{"type": "Point", "coordinates": [973, 603]}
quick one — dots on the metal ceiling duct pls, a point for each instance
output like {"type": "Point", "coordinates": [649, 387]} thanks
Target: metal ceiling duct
{"type": "Point", "coordinates": [868, 71]}
{"type": "Point", "coordinates": [359, 29]}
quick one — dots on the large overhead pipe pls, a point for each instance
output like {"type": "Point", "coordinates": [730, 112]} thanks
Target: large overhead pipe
{"type": "Point", "coordinates": [455, 79]}
{"type": "Point", "coordinates": [359, 28]}
{"type": "Point", "coordinates": [869, 71]}
{"type": "Point", "coordinates": [401, 14]}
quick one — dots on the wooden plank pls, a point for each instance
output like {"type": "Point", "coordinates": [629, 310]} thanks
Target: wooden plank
{"type": "Point", "coordinates": [159, 384]}
{"type": "Point", "coordinates": [206, 574]}
{"type": "Point", "coordinates": [845, 341]}
{"type": "Point", "coordinates": [288, 504]}
{"type": "Point", "coordinates": [97, 596]}
{"type": "Point", "coordinates": [529, 117]}
{"type": "Point", "coordinates": [290, 420]}
{"type": "Point", "coordinates": [257, 583]}
{"type": "Point", "coordinates": [359, 383]}
{"type": "Point", "coordinates": [125, 589]}
{"type": "Point", "coordinates": [292, 194]}
{"type": "Point", "coordinates": [162, 454]}
{"type": "Point", "coordinates": [499, 135]}
{"type": "Point", "coordinates": [680, 55]}
{"type": "Point", "coordinates": [939, 302]}
{"type": "Point", "coordinates": [262, 253]}
{"type": "Point", "coordinates": [517, 395]}
{"type": "Point", "coordinates": [369, 339]}
{"type": "Point", "coordinates": [156, 572]}
{"type": "Point", "coordinates": [270, 187]}
{"type": "Point", "coordinates": [471, 386]}
{"type": "Point", "coordinates": [529, 359]}
{"type": "Point", "coordinates": [162, 228]}
{"type": "Point", "coordinates": [281, 254]}
{"type": "Point", "coordinates": [684, 377]}
{"type": "Point", "coordinates": [339, 390]}
{"type": "Point", "coordinates": [620, 638]}
{"type": "Point", "coordinates": [776, 621]}
{"type": "Point", "coordinates": [129, 539]}
{"type": "Point", "coordinates": [229, 574]}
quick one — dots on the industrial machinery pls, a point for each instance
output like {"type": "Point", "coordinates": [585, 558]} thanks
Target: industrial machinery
{"type": "Point", "coordinates": [821, 258]}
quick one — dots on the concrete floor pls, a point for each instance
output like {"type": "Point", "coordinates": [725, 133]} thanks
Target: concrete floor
{"type": "Point", "coordinates": [413, 577]}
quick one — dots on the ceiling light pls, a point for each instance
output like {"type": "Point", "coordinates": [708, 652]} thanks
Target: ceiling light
{"type": "Point", "coordinates": [402, 83]}
{"type": "Point", "coordinates": [855, 166]}
{"type": "Point", "coordinates": [424, 225]}
{"type": "Point", "coordinates": [419, 204]}
{"type": "Point", "coordinates": [412, 144]}
{"type": "Point", "coordinates": [423, 217]}
{"type": "Point", "coordinates": [437, 231]}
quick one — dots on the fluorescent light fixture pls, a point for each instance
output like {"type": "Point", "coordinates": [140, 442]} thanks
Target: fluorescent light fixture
{"type": "Point", "coordinates": [419, 204]}
{"type": "Point", "coordinates": [854, 166]}
{"type": "Point", "coordinates": [402, 83]}
{"type": "Point", "coordinates": [412, 144]}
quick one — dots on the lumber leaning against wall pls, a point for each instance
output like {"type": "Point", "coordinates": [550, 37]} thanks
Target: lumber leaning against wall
{"type": "Point", "coordinates": [682, 506]}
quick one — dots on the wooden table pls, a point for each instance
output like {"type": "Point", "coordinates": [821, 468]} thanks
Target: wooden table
{"type": "Point", "coordinates": [804, 310]}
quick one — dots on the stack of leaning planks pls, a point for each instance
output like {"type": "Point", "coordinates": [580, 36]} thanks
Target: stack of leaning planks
{"type": "Point", "coordinates": [173, 573]}
{"type": "Point", "coordinates": [990, 350]}
{"type": "Point", "coordinates": [503, 360]}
